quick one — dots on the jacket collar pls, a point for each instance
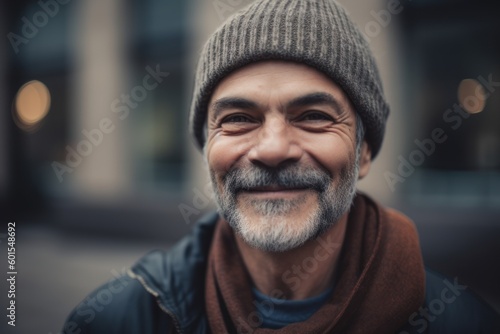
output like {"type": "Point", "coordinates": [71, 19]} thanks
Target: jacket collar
{"type": "Point", "coordinates": [175, 277]}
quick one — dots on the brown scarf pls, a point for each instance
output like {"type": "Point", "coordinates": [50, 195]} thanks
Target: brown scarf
{"type": "Point", "coordinates": [381, 279]}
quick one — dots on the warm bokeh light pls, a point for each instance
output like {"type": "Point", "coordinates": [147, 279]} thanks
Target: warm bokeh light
{"type": "Point", "coordinates": [471, 96]}
{"type": "Point", "coordinates": [32, 103]}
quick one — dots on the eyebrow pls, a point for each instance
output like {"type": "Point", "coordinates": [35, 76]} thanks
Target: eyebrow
{"type": "Point", "coordinates": [316, 98]}
{"type": "Point", "coordinates": [301, 101]}
{"type": "Point", "coordinates": [232, 103]}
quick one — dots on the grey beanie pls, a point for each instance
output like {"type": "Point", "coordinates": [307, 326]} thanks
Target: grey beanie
{"type": "Point", "coordinates": [317, 33]}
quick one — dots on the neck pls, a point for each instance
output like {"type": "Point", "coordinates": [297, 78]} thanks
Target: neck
{"type": "Point", "coordinates": [299, 273]}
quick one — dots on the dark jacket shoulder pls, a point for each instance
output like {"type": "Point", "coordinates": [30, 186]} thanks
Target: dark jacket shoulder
{"type": "Point", "coordinates": [119, 306]}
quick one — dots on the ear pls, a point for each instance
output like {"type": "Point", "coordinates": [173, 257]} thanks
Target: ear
{"type": "Point", "coordinates": [365, 160]}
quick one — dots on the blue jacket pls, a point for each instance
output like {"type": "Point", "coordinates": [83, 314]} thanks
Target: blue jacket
{"type": "Point", "coordinates": [164, 293]}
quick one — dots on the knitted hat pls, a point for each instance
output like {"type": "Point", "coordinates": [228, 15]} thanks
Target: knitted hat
{"type": "Point", "coordinates": [317, 33]}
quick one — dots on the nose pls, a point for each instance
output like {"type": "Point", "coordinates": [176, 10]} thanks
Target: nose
{"type": "Point", "coordinates": [274, 145]}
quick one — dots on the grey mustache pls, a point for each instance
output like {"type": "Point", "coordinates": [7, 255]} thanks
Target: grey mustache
{"type": "Point", "coordinates": [247, 178]}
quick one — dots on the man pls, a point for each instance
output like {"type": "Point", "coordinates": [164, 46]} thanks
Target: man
{"type": "Point", "coordinates": [289, 111]}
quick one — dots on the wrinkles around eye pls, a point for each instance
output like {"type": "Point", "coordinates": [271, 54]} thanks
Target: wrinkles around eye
{"type": "Point", "coordinates": [236, 119]}
{"type": "Point", "coordinates": [315, 116]}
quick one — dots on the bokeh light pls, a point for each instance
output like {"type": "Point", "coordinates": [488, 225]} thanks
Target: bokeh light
{"type": "Point", "coordinates": [32, 104]}
{"type": "Point", "coordinates": [471, 96]}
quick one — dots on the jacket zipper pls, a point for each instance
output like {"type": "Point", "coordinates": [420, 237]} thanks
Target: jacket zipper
{"type": "Point", "coordinates": [156, 295]}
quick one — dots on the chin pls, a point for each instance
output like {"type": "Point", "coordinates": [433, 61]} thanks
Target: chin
{"type": "Point", "coordinates": [277, 232]}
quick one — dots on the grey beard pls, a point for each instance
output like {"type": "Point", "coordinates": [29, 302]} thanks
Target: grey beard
{"type": "Point", "coordinates": [276, 230]}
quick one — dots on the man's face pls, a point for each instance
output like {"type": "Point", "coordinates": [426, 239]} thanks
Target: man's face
{"type": "Point", "coordinates": [281, 150]}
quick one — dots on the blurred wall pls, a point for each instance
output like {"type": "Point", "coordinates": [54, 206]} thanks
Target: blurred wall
{"type": "Point", "coordinates": [100, 77]}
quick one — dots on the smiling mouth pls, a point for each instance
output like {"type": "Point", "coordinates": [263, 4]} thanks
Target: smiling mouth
{"type": "Point", "coordinates": [274, 191]}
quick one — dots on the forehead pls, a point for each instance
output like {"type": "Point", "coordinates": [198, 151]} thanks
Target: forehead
{"type": "Point", "coordinates": [276, 81]}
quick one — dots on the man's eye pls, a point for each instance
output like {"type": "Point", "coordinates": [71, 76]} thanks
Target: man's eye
{"type": "Point", "coordinates": [235, 119]}
{"type": "Point", "coordinates": [315, 116]}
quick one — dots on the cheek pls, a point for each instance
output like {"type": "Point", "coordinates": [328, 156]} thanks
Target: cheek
{"type": "Point", "coordinates": [331, 152]}
{"type": "Point", "coordinates": [222, 154]}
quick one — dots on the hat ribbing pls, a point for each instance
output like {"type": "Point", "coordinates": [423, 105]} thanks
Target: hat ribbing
{"type": "Point", "coordinates": [317, 33]}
